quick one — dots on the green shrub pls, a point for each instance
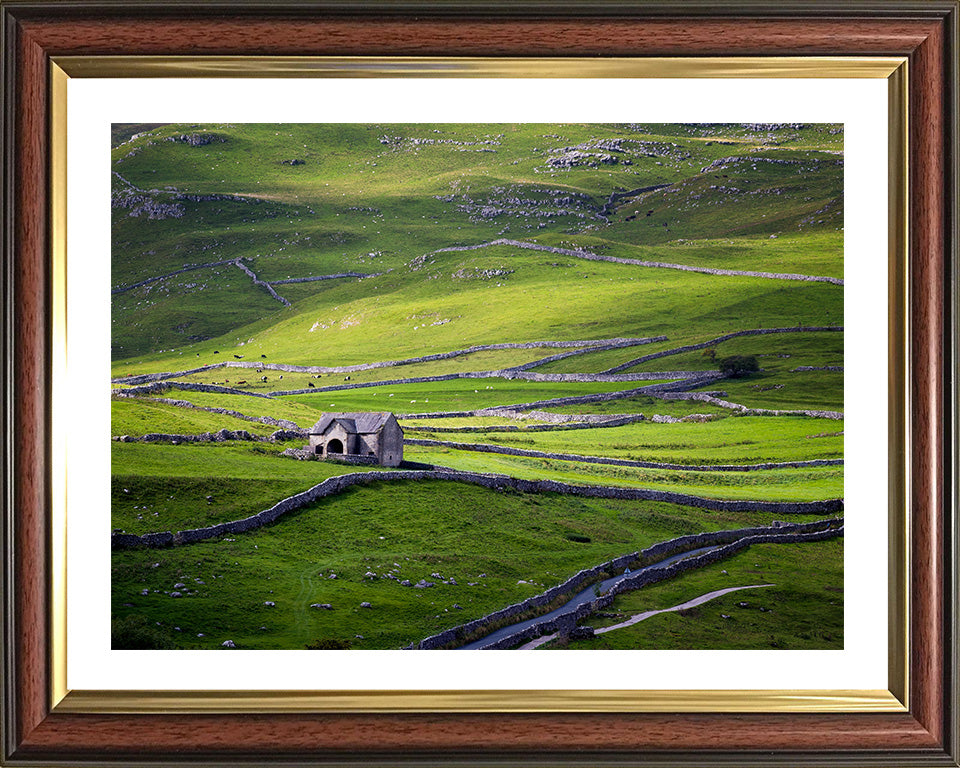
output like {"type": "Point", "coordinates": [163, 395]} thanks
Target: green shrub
{"type": "Point", "coordinates": [738, 366]}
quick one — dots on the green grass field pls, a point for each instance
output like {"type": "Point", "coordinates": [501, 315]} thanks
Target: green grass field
{"type": "Point", "coordinates": [404, 216]}
{"type": "Point", "coordinates": [412, 530]}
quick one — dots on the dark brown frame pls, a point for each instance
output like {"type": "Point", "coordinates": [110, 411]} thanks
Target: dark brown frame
{"type": "Point", "coordinates": [923, 31]}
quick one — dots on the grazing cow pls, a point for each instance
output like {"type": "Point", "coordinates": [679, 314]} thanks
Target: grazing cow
{"type": "Point", "coordinates": [311, 384]}
{"type": "Point", "coordinates": [241, 382]}
{"type": "Point", "coordinates": [216, 351]}
{"type": "Point", "coordinates": [263, 378]}
{"type": "Point", "coordinates": [240, 357]}
{"type": "Point", "coordinates": [264, 356]}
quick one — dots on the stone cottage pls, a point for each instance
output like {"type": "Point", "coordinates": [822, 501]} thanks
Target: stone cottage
{"type": "Point", "coordinates": [375, 436]}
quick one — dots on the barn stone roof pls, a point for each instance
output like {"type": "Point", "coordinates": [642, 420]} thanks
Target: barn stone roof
{"type": "Point", "coordinates": [358, 423]}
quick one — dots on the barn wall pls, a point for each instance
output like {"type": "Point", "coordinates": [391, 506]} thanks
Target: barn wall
{"type": "Point", "coordinates": [391, 444]}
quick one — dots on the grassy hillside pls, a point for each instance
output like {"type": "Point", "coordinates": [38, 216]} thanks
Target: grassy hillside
{"type": "Point", "coordinates": [509, 550]}
{"type": "Point", "coordinates": [307, 200]}
{"type": "Point", "coordinates": [518, 254]}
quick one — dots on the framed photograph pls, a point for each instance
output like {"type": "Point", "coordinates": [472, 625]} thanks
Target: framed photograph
{"type": "Point", "coordinates": [345, 341]}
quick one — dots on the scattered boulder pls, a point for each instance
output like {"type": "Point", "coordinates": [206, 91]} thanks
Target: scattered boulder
{"type": "Point", "coordinates": [228, 644]}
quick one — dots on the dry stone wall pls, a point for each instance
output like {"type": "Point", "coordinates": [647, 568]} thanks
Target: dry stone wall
{"type": "Point", "coordinates": [602, 397]}
{"type": "Point", "coordinates": [159, 387]}
{"type": "Point", "coordinates": [147, 378]}
{"type": "Point", "coordinates": [494, 482]}
{"type": "Point", "coordinates": [282, 423]}
{"type": "Point", "coordinates": [718, 340]}
{"type": "Point", "coordinates": [561, 421]}
{"type": "Point", "coordinates": [257, 281]}
{"type": "Point", "coordinates": [729, 542]}
{"type": "Point", "coordinates": [590, 345]}
{"type": "Point", "coordinates": [511, 411]}
{"type": "Point", "coordinates": [745, 411]}
{"type": "Point", "coordinates": [509, 451]}
{"type": "Point", "coordinates": [590, 256]}
{"type": "Point", "coordinates": [221, 436]}
{"type": "Point", "coordinates": [189, 268]}
{"type": "Point", "coordinates": [503, 373]}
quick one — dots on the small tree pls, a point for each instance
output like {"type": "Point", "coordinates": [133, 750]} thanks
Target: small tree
{"type": "Point", "coordinates": [738, 366]}
{"type": "Point", "coordinates": [711, 354]}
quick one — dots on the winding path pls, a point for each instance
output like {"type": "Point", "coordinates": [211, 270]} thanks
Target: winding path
{"type": "Point", "coordinates": [637, 618]}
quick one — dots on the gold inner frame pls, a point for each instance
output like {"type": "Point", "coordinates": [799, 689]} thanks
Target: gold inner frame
{"type": "Point", "coordinates": [895, 699]}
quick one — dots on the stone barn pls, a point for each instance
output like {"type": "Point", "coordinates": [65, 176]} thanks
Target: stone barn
{"type": "Point", "coordinates": [374, 436]}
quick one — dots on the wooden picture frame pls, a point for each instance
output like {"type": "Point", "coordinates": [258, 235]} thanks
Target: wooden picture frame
{"type": "Point", "coordinates": [39, 730]}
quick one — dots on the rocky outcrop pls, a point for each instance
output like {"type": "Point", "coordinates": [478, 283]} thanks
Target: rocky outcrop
{"type": "Point", "coordinates": [144, 204]}
{"type": "Point", "coordinates": [197, 139]}
{"type": "Point", "coordinates": [315, 278]}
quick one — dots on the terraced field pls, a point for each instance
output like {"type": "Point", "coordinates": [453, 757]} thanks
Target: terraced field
{"type": "Point", "coordinates": [649, 317]}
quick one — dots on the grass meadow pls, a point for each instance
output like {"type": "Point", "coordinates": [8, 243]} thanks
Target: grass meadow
{"type": "Point", "coordinates": [410, 227]}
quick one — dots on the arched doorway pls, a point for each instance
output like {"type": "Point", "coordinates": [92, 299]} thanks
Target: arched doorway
{"type": "Point", "coordinates": [334, 446]}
